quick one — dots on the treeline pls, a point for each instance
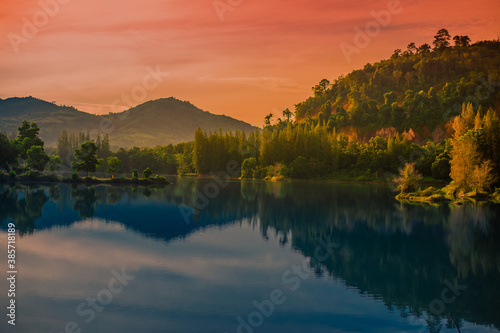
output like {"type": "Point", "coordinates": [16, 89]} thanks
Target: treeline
{"type": "Point", "coordinates": [26, 152]}
{"type": "Point", "coordinates": [67, 143]}
{"type": "Point", "coordinates": [413, 89]}
{"type": "Point", "coordinates": [302, 150]}
{"type": "Point", "coordinates": [471, 158]}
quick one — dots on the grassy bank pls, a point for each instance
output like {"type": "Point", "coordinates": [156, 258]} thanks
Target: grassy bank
{"type": "Point", "coordinates": [433, 195]}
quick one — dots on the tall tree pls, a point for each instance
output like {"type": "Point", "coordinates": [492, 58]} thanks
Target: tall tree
{"type": "Point", "coordinates": [114, 164]}
{"type": "Point", "coordinates": [287, 114]}
{"type": "Point", "coordinates": [37, 158]}
{"type": "Point", "coordinates": [267, 119]}
{"type": "Point", "coordinates": [424, 48]}
{"type": "Point", "coordinates": [28, 137]}
{"type": "Point", "coordinates": [63, 146]}
{"type": "Point", "coordinates": [441, 39]}
{"type": "Point", "coordinates": [461, 41]}
{"type": "Point", "coordinates": [8, 152]}
{"type": "Point", "coordinates": [86, 158]}
{"type": "Point", "coordinates": [412, 48]}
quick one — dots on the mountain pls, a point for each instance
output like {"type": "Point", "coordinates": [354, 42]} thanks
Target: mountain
{"type": "Point", "coordinates": [417, 91]}
{"type": "Point", "coordinates": [158, 122]}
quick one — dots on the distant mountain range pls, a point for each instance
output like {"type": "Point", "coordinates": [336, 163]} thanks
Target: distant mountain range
{"type": "Point", "coordinates": [157, 122]}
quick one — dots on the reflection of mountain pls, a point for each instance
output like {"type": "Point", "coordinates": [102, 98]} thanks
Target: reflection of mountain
{"type": "Point", "coordinates": [402, 254]}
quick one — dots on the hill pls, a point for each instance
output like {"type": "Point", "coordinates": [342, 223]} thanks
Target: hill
{"type": "Point", "coordinates": [416, 91]}
{"type": "Point", "coordinates": [158, 122]}
{"type": "Point", "coordinates": [51, 118]}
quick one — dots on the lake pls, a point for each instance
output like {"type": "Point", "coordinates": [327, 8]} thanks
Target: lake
{"type": "Point", "coordinates": [209, 256]}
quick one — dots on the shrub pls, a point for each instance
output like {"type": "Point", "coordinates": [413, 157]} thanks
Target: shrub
{"type": "Point", "coordinates": [247, 167]}
{"type": "Point", "coordinates": [299, 168]}
{"type": "Point", "coordinates": [74, 176]}
{"type": "Point", "coordinates": [147, 173]}
{"type": "Point", "coordinates": [428, 192]}
{"type": "Point", "coordinates": [408, 178]}
{"type": "Point", "coordinates": [259, 172]}
{"type": "Point", "coordinates": [135, 173]}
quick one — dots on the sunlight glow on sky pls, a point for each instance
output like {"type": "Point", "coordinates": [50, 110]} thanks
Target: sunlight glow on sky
{"type": "Point", "coordinates": [263, 57]}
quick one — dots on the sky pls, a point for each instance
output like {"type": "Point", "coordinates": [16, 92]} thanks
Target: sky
{"type": "Point", "coordinates": [241, 58]}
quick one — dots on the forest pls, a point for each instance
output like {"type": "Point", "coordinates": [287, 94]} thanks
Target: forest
{"type": "Point", "coordinates": [445, 90]}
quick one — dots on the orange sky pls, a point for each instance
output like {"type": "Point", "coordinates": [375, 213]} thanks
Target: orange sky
{"type": "Point", "coordinates": [261, 57]}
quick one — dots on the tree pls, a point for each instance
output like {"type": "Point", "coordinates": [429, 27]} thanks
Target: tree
{"type": "Point", "coordinates": [287, 114]}
{"type": "Point", "coordinates": [37, 158]}
{"type": "Point", "coordinates": [267, 119]}
{"type": "Point", "coordinates": [247, 167]}
{"type": "Point", "coordinates": [397, 75]}
{"type": "Point", "coordinates": [464, 159]}
{"type": "Point", "coordinates": [483, 177]}
{"type": "Point", "coordinates": [28, 137]}
{"type": "Point", "coordinates": [147, 173]}
{"type": "Point", "coordinates": [299, 168]}
{"type": "Point", "coordinates": [441, 39]}
{"type": "Point", "coordinates": [135, 173]}
{"type": "Point", "coordinates": [408, 178]}
{"type": "Point", "coordinates": [55, 164]}
{"type": "Point", "coordinates": [63, 146]}
{"type": "Point", "coordinates": [397, 53]}
{"type": "Point", "coordinates": [412, 48]}
{"type": "Point", "coordinates": [424, 48]}
{"type": "Point", "coordinates": [321, 88]}
{"type": "Point", "coordinates": [114, 164]}
{"type": "Point", "coordinates": [86, 158]}
{"type": "Point", "coordinates": [461, 41]}
{"type": "Point", "coordinates": [8, 152]}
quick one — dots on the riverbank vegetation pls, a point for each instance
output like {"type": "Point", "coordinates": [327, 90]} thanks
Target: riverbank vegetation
{"type": "Point", "coordinates": [437, 126]}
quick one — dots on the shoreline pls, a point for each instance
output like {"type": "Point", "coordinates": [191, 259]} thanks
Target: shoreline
{"type": "Point", "coordinates": [53, 179]}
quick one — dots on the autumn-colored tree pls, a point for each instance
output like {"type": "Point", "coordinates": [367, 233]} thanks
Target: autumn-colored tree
{"type": "Point", "coordinates": [464, 159]}
{"type": "Point", "coordinates": [408, 178]}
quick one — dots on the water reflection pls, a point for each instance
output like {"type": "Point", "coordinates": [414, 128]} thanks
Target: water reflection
{"type": "Point", "coordinates": [398, 253]}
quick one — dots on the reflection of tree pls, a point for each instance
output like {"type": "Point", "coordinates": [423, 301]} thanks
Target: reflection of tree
{"type": "Point", "coordinates": [85, 200]}
{"type": "Point", "coordinates": [113, 195]}
{"type": "Point", "coordinates": [472, 249]}
{"type": "Point", "coordinates": [401, 254]}
{"type": "Point", "coordinates": [22, 205]}
{"type": "Point", "coordinates": [54, 193]}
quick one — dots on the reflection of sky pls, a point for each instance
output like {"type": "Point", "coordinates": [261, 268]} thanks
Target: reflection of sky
{"type": "Point", "coordinates": [197, 284]}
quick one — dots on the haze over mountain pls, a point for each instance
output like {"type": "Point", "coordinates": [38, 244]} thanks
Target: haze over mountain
{"type": "Point", "coordinates": [158, 122]}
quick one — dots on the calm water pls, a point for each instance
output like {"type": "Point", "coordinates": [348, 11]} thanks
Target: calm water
{"type": "Point", "coordinates": [250, 257]}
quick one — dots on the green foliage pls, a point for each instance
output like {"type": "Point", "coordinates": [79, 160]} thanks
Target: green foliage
{"type": "Point", "coordinates": [86, 158]}
{"type": "Point", "coordinates": [299, 168]}
{"type": "Point", "coordinates": [114, 164]}
{"type": "Point", "coordinates": [147, 173]}
{"type": "Point", "coordinates": [135, 173]}
{"type": "Point", "coordinates": [413, 89]}
{"type": "Point", "coordinates": [27, 138]}
{"type": "Point", "coordinates": [441, 167]}
{"type": "Point", "coordinates": [149, 124]}
{"type": "Point", "coordinates": [74, 175]}
{"type": "Point", "coordinates": [8, 153]}
{"type": "Point", "coordinates": [55, 164]}
{"type": "Point", "coordinates": [247, 167]}
{"type": "Point", "coordinates": [37, 159]}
